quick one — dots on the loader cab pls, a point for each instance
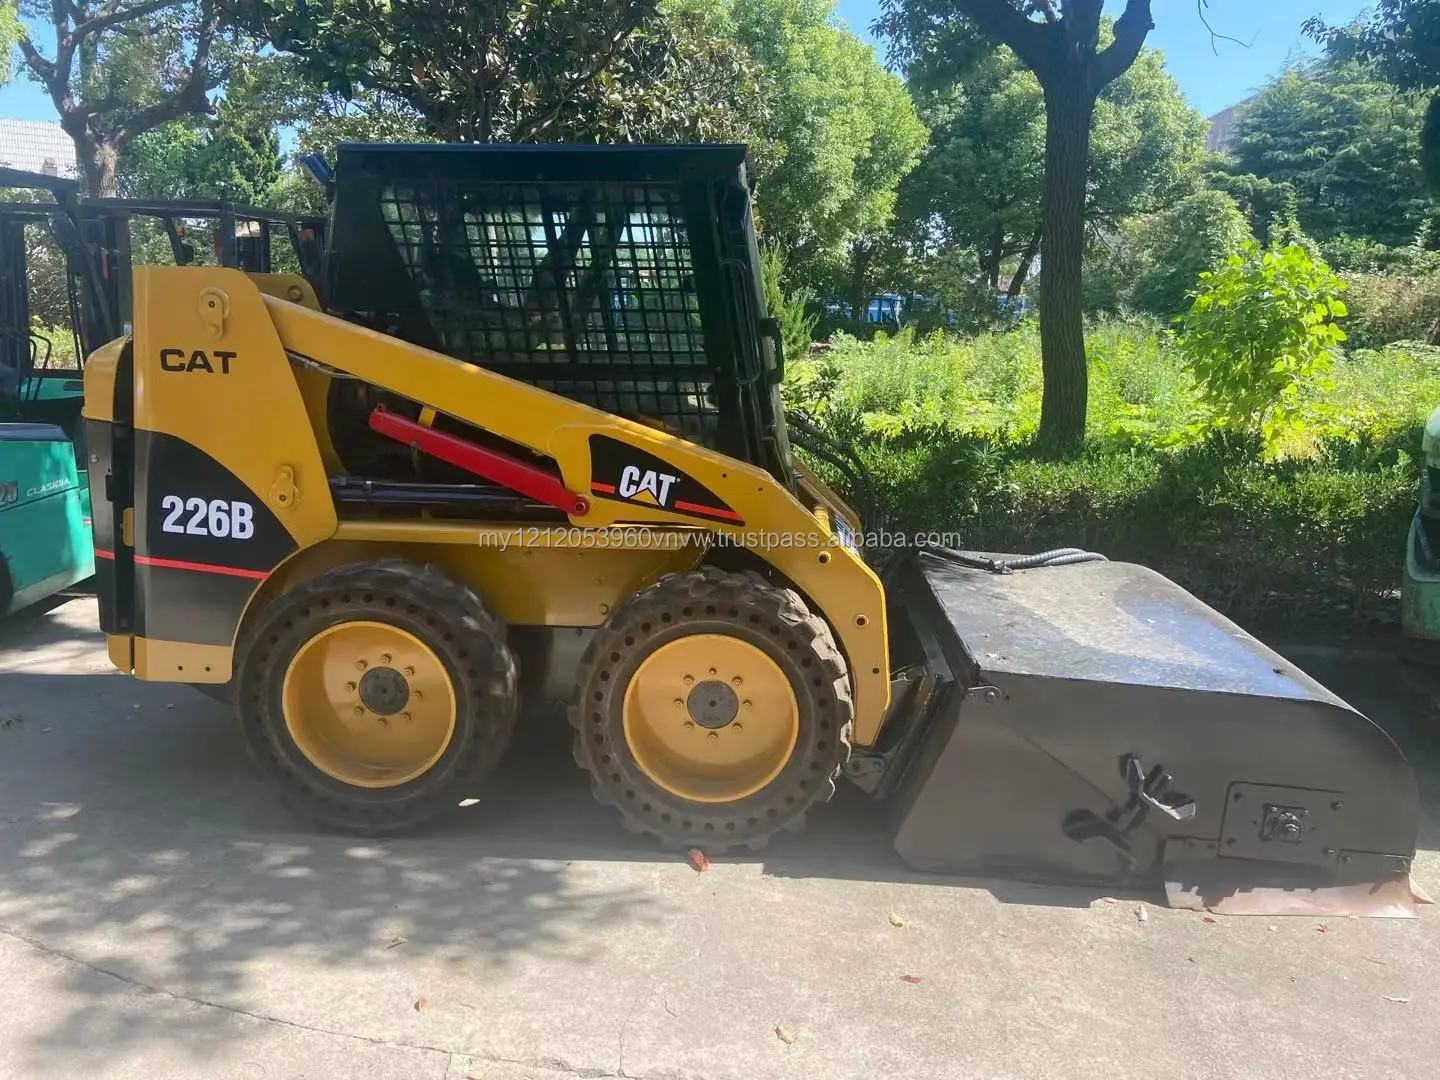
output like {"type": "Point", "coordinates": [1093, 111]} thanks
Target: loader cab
{"type": "Point", "coordinates": [626, 278]}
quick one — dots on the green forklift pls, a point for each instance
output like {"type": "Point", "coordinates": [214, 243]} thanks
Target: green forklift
{"type": "Point", "coordinates": [45, 536]}
{"type": "Point", "coordinates": [1420, 592]}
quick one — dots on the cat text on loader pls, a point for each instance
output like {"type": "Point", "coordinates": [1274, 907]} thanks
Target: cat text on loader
{"type": "Point", "coordinates": [533, 447]}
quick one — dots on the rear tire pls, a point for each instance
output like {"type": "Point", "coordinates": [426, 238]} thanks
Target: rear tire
{"type": "Point", "coordinates": [352, 742]}
{"type": "Point", "coordinates": [665, 724]}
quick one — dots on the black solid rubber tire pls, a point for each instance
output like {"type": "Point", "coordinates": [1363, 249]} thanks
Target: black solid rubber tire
{"type": "Point", "coordinates": [707, 601]}
{"type": "Point", "coordinates": [451, 619]}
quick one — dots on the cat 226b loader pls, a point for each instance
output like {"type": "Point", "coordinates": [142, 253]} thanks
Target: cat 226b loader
{"type": "Point", "coordinates": [522, 437]}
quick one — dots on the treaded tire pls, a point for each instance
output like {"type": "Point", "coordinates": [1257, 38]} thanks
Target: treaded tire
{"type": "Point", "coordinates": [746, 606]}
{"type": "Point", "coordinates": [449, 618]}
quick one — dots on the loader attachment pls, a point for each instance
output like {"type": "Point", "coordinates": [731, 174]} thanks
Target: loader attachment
{"type": "Point", "coordinates": [1104, 726]}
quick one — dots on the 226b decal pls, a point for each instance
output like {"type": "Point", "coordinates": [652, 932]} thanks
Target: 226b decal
{"type": "Point", "coordinates": [215, 517]}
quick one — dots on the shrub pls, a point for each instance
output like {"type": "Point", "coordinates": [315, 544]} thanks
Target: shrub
{"type": "Point", "coordinates": [788, 309]}
{"type": "Point", "coordinates": [1260, 328]}
{"type": "Point", "coordinates": [1270, 544]}
{"type": "Point", "coordinates": [1391, 307]}
{"type": "Point", "coordinates": [1195, 236]}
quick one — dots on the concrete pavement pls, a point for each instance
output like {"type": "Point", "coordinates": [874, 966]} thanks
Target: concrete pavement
{"type": "Point", "coordinates": [162, 917]}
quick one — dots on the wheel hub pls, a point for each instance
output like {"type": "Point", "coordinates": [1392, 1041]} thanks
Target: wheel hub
{"type": "Point", "coordinates": [384, 690]}
{"type": "Point", "coordinates": [712, 704]}
{"type": "Point", "coordinates": [711, 718]}
{"type": "Point", "coordinates": [369, 704]}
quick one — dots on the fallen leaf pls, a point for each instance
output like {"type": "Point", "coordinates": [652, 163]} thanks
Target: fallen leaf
{"type": "Point", "coordinates": [896, 920]}
{"type": "Point", "coordinates": [913, 980]}
{"type": "Point", "coordinates": [1142, 914]}
{"type": "Point", "coordinates": [1108, 900]}
{"type": "Point", "coordinates": [1206, 918]}
{"type": "Point", "coordinates": [698, 860]}
{"type": "Point", "coordinates": [1323, 928]}
{"type": "Point", "coordinates": [1399, 1001]}
{"type": "Point", "coordinates": [398, 941]}
{"type": "Point", "coordinates": [421, 1003]}
{"type": "Point", "coordinates": [785, 1035]}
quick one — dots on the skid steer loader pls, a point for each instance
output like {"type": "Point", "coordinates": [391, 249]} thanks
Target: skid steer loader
{"type": "Point", "coordinates": [534, 446]}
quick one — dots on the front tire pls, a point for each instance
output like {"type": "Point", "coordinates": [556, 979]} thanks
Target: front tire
{"type": "Point", "coordinates": [376, 695]}
{"type": "Point", "coordinates": [713, 708]}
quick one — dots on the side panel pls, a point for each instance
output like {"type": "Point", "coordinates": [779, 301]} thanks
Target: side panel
{"type": "Point", "coordinates": [229, 480]}
{"type": "Point", "coordinates": [44, 535]}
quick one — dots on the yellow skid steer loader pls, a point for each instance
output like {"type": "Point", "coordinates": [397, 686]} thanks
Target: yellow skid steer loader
{"type": "Point", "coordinates": [527, 421]}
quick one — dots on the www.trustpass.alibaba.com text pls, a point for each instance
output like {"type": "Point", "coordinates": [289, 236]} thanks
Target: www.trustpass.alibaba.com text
{"type": "Point", "coordinates": [640, 537]}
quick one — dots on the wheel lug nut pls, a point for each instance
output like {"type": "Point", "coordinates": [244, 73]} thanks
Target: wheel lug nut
{"type": "Point", "coordinates": [361, 665]}
{"type": "Point", "coordinates": [679, 703]}
{"type": "Point", "coordinates": [409, 673]}
{"type": "Point", "coordinates": [689, 725]}
{"type": "Point", "coordinates": [405, 716]}
{"type": "Point", "coordinates": [385, 658]}
{"type": "Point", "coordinates": [745, 705]}
{"type": "Point", "coordinates": [737, 726]}
{"type": "Point", "coordinates": [714, 672]}
{"type": "Point", "coordinates": [359, 710]}
{"type": "Point", "coordinates": [737, 682]}
{"type": "Point", "coordinates": [350, 687]}
{"type": "Point", "coordinates": [417, 695]}
{"type": "Point", "coordinates": [689, 680]}
{"type": "Point", "coordinates": [382, 721]}
{"type": "Point", "coordinates": [714, 735]}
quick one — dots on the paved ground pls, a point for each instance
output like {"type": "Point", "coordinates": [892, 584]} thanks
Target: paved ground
{"type": "Point", "coordinates": [161, 918]}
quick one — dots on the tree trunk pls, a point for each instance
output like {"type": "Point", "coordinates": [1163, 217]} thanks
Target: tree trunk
{"type": "Point", "coordinates": [1069, 106]}
{"type": "Point", "coordinates": [993, 258]}
{"type": "Point", "coordinates": [1022, 272]}
{"type": "Point", "coordinates": [859, 279]}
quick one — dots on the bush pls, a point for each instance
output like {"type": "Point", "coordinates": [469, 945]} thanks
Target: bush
{"type": "Point", "coordinates": [1385, 308]}
{"type": "Point", "coordinates": [788, 309]}
{"type": "Point", "coordinates": [1196, 235]}
{"type": "Point", "coordinates": [1260, 329]}
{"type": "Point", "coordinates": [1279, 544]}
{"type": "Point", "coordinates": [1313, 535]}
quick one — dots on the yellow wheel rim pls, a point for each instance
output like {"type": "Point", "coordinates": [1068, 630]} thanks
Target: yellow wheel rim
{"type": "Point", "coordinates": [369, 704]}
{"type": "Point", "coordinates": [710, 718]}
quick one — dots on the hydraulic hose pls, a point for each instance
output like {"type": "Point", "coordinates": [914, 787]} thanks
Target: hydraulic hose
{"type": "Point", "coordinates": [1055, 557]}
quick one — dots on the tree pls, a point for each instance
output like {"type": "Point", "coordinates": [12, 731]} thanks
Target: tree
{"type": "Point", "coordinates": [1061, 42]}
{"type": "Point", "coordinates": [980, 182]}
{"type": "Point", "coordinates": [839, 134]}
{"type": "Point", "coordinates": [1403, 37]}
{"type": "Point", "coordinates": [1345, 143]}
{"type": "Point", "coordinates": [522, 70]}
{"type": "Point", "coordinates": [120, 68]}
{"type": "Point", "coordinates": [1177, 246]}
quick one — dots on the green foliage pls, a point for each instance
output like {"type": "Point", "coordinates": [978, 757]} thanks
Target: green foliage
{"type": "Point", "coordinates": [1392, 307]}
{"type": "Point", "coordinates": [1260, 328]}
{"type": "Point", "coordinates": [1178, 245]}
{"type": "Point", "coordinates": [1346, 143]}
{"type": "Point", "coordinates": [979, 185]}
{"type": "Point", "coordinates": [523, 70]}
{"type": "Point", "coordinates": [1315, 535]}
{"type": "Point", "coordinates": [797, 329]}
{"type": "Point", "coordinates": [839, 133]}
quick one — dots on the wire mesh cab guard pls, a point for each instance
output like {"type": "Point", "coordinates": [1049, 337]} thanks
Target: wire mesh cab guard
{"type": "Point", "coordinates": [626, 277]}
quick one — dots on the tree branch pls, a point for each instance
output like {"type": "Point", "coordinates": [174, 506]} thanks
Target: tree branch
{"type": "Point", "coordinates": [1130, 31]}
{"type": "Point", "coordinates": [115, 17]}
{"type": "Point", "coordinates": [1201, 5]}
{"type": "Point", "coordinates": [1007, 24]}
{"type": "Point", "coordinates": [190, 98]}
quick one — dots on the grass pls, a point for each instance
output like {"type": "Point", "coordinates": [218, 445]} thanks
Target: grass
{"type": "Point", "coordinates": [1311, 533]}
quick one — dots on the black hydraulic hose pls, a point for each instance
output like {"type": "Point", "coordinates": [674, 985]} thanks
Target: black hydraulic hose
{"type": "Point", "coordinates": [810, 437]}
{"type": "Point", "coordinates": [1055, 557]}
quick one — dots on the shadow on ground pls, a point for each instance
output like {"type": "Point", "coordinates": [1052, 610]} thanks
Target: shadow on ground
{"type": "Point", "coordinates": [135, 835]}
